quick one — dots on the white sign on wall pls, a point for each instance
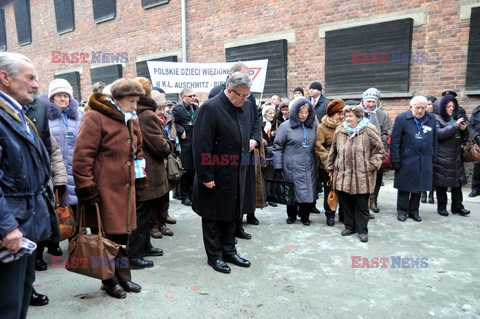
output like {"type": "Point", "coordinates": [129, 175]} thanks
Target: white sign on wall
{"type": "Point", "coordinates": [172, 77]}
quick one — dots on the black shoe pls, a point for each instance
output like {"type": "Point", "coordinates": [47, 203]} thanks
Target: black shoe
{"type": "Point", "coordinates": [55, 251]}
{"type": "Point", "coordinates": [474, 193]}
{"type": "Point", "coordinates": [252, 220]}
{"type": "Point", "coordinates": [130, 286]}
{"type": "Point", "coordinates": [423, 197]}
{"type": "Point", "coordinates": [240, 233]}
{"type": "Point", "coordinates": [236, 260]}
{"type": "Point", "coordinates": [306, 222]}
{"type": "Point", "coordinates": [371, 216]}
{"type": "Point", "coordinates": [374, 206]}
{"type": "Point", "coordinates": [443, 212]}
{"type": "Point", "coordinates": [187, 202]}
{"type": "Point", "coordinates": [363, 237]}
{"type": "Point", "coordinates": [38, 300]}
{"type": "Point", "coordinates": [430, 198]}
{"type": "Point", "coordinates": [416, 218]}
{"type": "Point", "coordinates": [315, 210]}
{"type": "Point", "coordinates": [291, 220]}
{"type": "Point", "coordinates": [40, 264]}
{"type": "Point", "coordinates": [116, 291]}
{"type": "Point", "coordinates": [154, 252]}
{"type": "Point", "coordinates": [330, 221]}
{"type": "Point", "coordinates": [220, 266]}
{"type": "Point", "coordinates": [140, 263]}
{"type": "Point", "coordinates": [272, 204]}
{"type": "Point", "coordinates": [348, 232]}
{"type": "Point", "coordinates": [401, 218]}
{"type": "Point", "coordinates": [462, 212]}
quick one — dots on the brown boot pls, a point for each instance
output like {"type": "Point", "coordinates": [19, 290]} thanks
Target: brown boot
{"type": "Point", "coordinates": [165, 230]}
{"type": "Point", "coordinates": [373, 204]}
{"type": "Point", "coordinates": [155, 232]}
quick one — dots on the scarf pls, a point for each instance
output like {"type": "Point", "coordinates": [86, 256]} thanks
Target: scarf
{"type": "Point", "coordinates": [128, 115]}
{"type": "Point", "coordinates": [356, 130]}
{"type": "Point", "coordinates": [268, 126]}
{"type": "Point", "coordinates": [368, 113]}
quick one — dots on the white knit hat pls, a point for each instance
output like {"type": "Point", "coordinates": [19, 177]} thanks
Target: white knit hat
{"type": "Point", "coordinates": [59, 86]}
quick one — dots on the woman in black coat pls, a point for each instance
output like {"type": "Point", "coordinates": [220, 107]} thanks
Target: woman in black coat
{"type": "Point", "coordinates": [448, 169]}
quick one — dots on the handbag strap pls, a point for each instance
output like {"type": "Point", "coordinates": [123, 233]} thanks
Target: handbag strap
{"type": "Point", "coordinates": [59, 201]}
{"type": "Point", "coordinates": [81, 220]}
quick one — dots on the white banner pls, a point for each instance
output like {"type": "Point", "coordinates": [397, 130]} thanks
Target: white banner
{"type": "Point", "coordinates": [201, 77]}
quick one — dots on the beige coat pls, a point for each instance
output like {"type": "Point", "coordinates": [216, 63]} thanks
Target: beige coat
{"type": "Point", "coordinates": [324, 138]}
{"type": "Point", "coordinates": [355, 161]}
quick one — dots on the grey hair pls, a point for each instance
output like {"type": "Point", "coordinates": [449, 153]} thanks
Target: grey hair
{"type": "Point", "coordinates": [355, 109]}
{"type": "Point", "coordinates": [418, 99]}
{"type": "Point", "coordinates": [98, 87]}
{"type": "Point", "coordinates": [185, 90]}
{"type": "Point", "coordinates": [238, 79]}
{"type": "Point", "coordinates": [10, 62]}
{"type": "Point", "coordinates": [238, 67]}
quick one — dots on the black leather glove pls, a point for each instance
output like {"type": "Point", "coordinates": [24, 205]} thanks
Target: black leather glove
{"type": "Point", "coordinates": [61, 190]}
{"type": "Point", "coordinates": [396, 166]}
{"type": "Point", "coordinates": [477, 140]}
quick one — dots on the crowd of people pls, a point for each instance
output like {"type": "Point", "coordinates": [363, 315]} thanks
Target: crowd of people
{"type": "Point", "coordinates": [113, 155]}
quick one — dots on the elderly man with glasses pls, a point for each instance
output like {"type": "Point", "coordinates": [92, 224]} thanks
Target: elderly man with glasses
{"type": "Point", "coordinates": [184, 115]}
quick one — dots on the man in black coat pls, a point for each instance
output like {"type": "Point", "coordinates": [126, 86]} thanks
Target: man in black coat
{"type": "Point", "coordinates": [184, 114]}
{"type": "Point", "coordinates": [250, 191]}
{"type": "Point", "coordinates": [318, 100]}
{"type": "Point", "coordinates": [221, 147]}
{"type": "Point", "coordinates": [474, 134]}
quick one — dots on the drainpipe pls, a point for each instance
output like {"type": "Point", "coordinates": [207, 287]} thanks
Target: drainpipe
{"type": "Point", "coordinates": [184, 32]}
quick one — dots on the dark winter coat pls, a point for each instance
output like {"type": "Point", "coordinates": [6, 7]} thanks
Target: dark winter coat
{"type": "Point", "coordinates": [183, 123]}
{"type": "Point", "coordinates": [103, 164]}
{"type": "Point", "coordinates": [414, 155]}
{"type": "Point", "coordinates": [24, 171]}
{"type": "Point", "coordinates": [320, 107]}
{"type": "Point", "coordinates": [474, 125]}
{"type": "Point", "coordinates": [251, 108]}
{"type": "Point", "coordinates": [60, 122]}
{"type": "Point", "coordinates": [37, 113]}
{"type": "Point", "coordinates": [297, 162]}
{"type": "Point", "coordinates": [155, 150]}
{"type": "Point", "coordinates": [448, 169]}
{"type": "Point", "coordinates": [220, 139]}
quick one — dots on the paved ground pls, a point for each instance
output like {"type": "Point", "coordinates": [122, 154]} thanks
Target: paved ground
{"type": "Point", "coordinates": [297, 272]}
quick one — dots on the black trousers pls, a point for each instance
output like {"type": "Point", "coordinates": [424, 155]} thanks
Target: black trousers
{"type": "Point", "coordinates": [301, 209]}
{"type": "Point", "coordinates": [476, 177]}
{"type": "Point", "coordinates": [160, 211]}
{"type": "Point", "coordinates": [355, 210]}
{"type": "Point", "coordinates": [218, 238]}
{"type": "Point", "coordinates": [186, 184]}
{"type": "Point", "coordinates": [140, 238]}
{"type": "Point", "coordinates": [457, 198]}
{"type": "Point", "coordinates": [122, 274]}
{"type": "Point", "coordinates": [16, 282]}
{"type": "Point", "coordinates": [407, 203]}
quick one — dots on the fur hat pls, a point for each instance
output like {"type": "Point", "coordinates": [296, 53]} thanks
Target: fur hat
{"type": "Point", "coordinates": [59, 86]}
{"type": "Point", "coordinates": [371, 93]}
{"type": "Point", "coordinates": [124, 87]}
{"type": "Point", "coordinates": [335, 106]}
{"type": "Point", "coordinates": [146, 84]}
{"type": "Point", "coordinates": [299, 89]}
{"type": "Point", "coordinates": [316, 86]}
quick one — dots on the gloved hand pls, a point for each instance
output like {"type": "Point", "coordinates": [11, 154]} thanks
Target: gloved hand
{"type": "Point", "coordinates": [61, 190]}
{"type": "Point", "coordinates": [477, 140]}
{"type": "Point", "coordinates": [396, 166]}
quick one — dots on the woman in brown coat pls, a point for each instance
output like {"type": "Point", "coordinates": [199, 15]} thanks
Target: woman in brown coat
{"type": "Point", "coordinates": [108, 147]}
{"type": "Point", "coordinates": [155, 151]}
{"type": "Point", "coordinates": [354, 158]}
{"type": "Point", "coordinates": [323, 142]}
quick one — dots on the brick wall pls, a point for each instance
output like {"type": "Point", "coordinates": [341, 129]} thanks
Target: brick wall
{"type": "Point", "coordinates": [444, 36]}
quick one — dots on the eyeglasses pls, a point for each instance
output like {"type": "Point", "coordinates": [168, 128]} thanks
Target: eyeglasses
{"type": "Point", "coordinates": [190, 96]}
{"type": "Point", "coordinates": [241, 95]}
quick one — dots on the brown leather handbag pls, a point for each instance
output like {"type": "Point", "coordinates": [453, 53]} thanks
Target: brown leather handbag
{"type": "Point", "coordinates": [65, 217]}
{"type": "Point", "coordinates": [332, 198]}
{"type": "Point", "coordinates": [93, 255]}
{"type": "Point", "coordinates": [471, 152]}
